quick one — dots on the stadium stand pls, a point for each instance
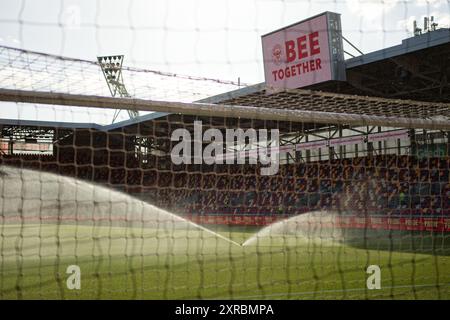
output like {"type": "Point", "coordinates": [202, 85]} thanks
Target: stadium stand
{"type": "Point", "coordinates": [405, 176]}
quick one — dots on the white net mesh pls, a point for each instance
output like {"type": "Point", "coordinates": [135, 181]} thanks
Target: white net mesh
{"type": "Point", "coordinates": [359, 174]}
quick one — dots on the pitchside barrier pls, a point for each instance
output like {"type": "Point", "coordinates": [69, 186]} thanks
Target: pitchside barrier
{"type": "Point", "coordinates": [435, 224]}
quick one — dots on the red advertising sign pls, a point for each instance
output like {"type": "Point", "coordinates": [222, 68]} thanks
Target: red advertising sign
{"type": "Point", "coordinates": [347, 140]}
{"type": "Point", "coordinates": [388, 135]}
{"type": "Point", "coordinates": [433, 224]}
{"type": "Point", "coordinates": [305, 53]}
{"type": "Point", "coordinates": [313, 145]}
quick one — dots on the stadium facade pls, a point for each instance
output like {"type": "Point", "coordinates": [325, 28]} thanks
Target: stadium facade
{"type": "Point", "coordinates": [346, 155]}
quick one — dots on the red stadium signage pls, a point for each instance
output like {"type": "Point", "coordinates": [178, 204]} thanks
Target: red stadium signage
{"type": "Point", "coordinates": [434, 224]}
{"type": "Point", "coordinates": [313, 145]}
{"type": "Point", "coordinates": [304, 53]}
{"type": "Point", "coordinates": [388, 135]}
{"type": "Point", "coordinates": [347, 140]}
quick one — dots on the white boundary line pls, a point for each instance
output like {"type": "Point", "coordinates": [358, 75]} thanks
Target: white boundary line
{"type": "Point", "coordinates": [334, 291]}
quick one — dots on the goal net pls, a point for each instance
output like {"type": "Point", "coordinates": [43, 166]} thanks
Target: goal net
{"type": "Point", "coordinates": [208, 189]}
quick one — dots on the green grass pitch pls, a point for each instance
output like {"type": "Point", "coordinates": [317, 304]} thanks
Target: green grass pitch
{"type": "Point", "coordinates": [144, 263]}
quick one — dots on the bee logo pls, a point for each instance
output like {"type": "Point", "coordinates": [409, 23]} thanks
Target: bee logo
{"type": "Point", "coordinates": [277, 54]}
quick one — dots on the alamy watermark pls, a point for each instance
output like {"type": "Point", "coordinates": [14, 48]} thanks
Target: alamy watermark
{"type": "Point", "coordinates": [71, 17]}
{"type": "Point", "coordinates": [374, 280]}
{"type": "Point", "coordinates": [231, 149]}
{"type": "Point", "coordinates": [74, 279]}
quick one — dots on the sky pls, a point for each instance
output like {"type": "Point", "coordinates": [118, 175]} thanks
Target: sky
{"type": "Point", "coordinates": [211, 38]}
{"type": "Point", "coordinates": [218, 39]}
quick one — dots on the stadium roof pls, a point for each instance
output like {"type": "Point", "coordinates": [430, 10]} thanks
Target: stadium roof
{"type": "Point", "coordinates": [252, 102]}
{"type": "Point", "coordinates": [299, 99]}
{"type": "Point", "coordinates": [80, 125]}
{"type": "Point", "coordinates": [416, 69]}
{"type": "Point", "coordinates": [49, 124]}
{"type": "Point", "coordinates": [129, 122]}
{"type": "Point", "coordinates": [335, 103]}
{"type": "Point", "coordinates": [410, 45]}
{"type": "Point", "coordinates": [255, 95]}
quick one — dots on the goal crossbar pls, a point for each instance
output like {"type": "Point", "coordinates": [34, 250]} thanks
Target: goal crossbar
{"type": "Point", "coordinates": [222, 110]}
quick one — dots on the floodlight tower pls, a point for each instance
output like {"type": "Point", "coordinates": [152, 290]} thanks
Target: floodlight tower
{"type": "Point", "coordinates": [112, 71]}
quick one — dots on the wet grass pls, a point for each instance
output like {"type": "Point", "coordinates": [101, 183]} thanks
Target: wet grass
{"type": "Point", "coordinates": [143, 263]}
